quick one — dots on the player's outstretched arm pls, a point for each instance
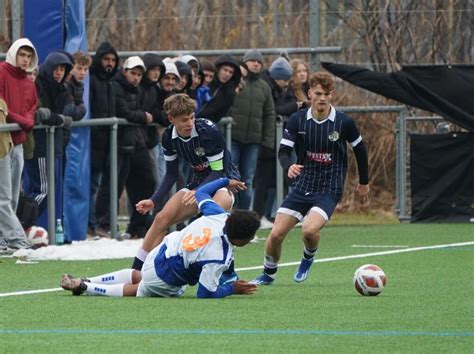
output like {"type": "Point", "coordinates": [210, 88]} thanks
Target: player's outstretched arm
{"type": "Point", "coordinates": [242, 287]}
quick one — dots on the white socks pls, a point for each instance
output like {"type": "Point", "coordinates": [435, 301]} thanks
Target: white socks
{"type": "Point", "coordinates": [123, 276]}
{"type": "Point", "coordinates": [104, 289]}
{"type": "Point", "coordinates": [110, 284]}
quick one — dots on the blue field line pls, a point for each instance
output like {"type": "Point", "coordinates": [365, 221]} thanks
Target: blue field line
{"type": "Point", "coordinates": [237, 332]}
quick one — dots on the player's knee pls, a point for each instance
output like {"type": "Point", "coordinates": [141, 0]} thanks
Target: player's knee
{"type": "Point", "coordinates": [277, 237]}
{"type": "Point", "coordinates": [310, 233]}
{"type": "Point", "coordinates": [162, 218]}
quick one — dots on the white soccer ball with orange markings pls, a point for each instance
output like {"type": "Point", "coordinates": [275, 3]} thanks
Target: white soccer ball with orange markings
{"type": "Point", "coordinates": [369, 280]}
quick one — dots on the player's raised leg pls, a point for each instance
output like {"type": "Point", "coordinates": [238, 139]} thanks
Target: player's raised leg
{"type": "Point", "coordinates": [224, 198]}
{"type": "Point", "coordinates": [173, 212]}
{"type": "Point", "coordinates": [283, 224]}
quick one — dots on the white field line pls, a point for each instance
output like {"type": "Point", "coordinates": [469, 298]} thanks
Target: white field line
{"type": "Point", "coordinates": [28, 292]}
{"type": "Point", "coordinates": [323, 260]}
{"type": "Point", "coordinates": [380, 246]}
{"type": "Point", "coordinates": [363, 255]}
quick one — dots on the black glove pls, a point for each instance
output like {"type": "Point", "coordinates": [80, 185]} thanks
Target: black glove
{"type": "Point", "coordinates": [77, 94]}
{"type": "Point", "coordinates": [54, 120]}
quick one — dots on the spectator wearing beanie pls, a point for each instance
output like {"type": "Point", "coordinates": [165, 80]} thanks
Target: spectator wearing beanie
{"type": "Point", "coordinates": [284, 99]}
{"type": "Point", "coordinates": [254, 115]}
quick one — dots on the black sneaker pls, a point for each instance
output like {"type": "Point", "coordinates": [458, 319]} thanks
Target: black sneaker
{"type": "Point", "coordinates": [76, 285]}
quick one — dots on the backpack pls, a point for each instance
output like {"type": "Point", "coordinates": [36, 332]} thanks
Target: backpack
{"type": "Point", "coordinates": [27, 211]}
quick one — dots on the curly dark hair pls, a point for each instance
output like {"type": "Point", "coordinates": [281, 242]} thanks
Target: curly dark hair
{"type": "Point", "coordinates": [324, 79]}
{"type": "Point", "coordinates": [242, 224]}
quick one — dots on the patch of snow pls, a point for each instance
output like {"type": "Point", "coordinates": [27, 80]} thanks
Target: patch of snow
{"type": "Point", "coordinates": [83, 250]}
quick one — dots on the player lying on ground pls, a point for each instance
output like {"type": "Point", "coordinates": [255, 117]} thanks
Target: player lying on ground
{"type": "Point", "coordinates": [199, 253]}
{"type": "Point", "coordinates": [320, 135]}
{"type": "Point", "coordinates": [202, 145]}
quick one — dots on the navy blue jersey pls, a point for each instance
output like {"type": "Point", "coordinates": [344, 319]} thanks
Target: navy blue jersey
{"type": "Point", "coordinates": [205, 146]}
{"type": "Point", "coordinates": [321, 146]}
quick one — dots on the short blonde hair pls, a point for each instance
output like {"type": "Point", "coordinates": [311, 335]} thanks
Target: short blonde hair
{"type": "Point", "coordinates": [179, 104]}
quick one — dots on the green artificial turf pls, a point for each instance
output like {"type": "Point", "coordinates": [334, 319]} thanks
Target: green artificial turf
{"type": "Point", "coordinates": [426, 307]}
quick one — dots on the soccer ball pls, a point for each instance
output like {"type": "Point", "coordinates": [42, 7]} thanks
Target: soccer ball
{"type": "Point", "coordinates": [369, 280]}
{"type": "Point", "coordinates": [38, 236]}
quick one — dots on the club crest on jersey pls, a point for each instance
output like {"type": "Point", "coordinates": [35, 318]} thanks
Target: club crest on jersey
{"type": "Point", "coordinates": [200, 151]}
{"type": "Point", "coordinates": [333, 136]}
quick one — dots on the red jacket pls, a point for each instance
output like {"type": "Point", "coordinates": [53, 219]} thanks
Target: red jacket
{"type": "Point", "coordinates": [19, 92]}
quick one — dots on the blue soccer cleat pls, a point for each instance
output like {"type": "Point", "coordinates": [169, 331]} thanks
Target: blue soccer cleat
{"type": "Point", "coordinates": [303, 270]}
{"type": "Point", "coordinates": [263, 279]}
{"type": "Point", "coordinates": [228, 278]}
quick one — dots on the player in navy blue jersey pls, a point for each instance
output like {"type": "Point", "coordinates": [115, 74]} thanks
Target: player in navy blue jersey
{"type": "Point", "coordinates": [202, 145]}
{"type": "Point", "coordinates": [320, 136]}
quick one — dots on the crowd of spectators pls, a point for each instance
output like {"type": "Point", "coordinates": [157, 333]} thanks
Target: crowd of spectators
{"type": "Point", "coordinates": [52, 94]}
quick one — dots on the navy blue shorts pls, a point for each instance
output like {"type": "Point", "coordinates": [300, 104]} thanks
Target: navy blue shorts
{"type": "Point", "coordinates": [298, 204]}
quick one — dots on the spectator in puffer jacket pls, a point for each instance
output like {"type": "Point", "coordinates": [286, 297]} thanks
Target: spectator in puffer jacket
{"type": "Point", "coordinates": [254, 116]}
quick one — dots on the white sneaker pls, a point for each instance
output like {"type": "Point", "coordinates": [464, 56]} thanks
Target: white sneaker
{"type": "Point", "coordinates": [265, 224]}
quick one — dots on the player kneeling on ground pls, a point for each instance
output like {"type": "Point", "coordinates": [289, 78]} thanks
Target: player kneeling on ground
{"type": "Point", "coordinates": [199, 253]}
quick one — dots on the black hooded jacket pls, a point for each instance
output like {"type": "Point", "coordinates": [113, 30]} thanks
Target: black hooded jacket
{"type": "Point", "coordinates": [223, 94]}
{"type": "Point", "coordinates": [149, 99]}
{"type": "Point", "coordinates": [285, 100]}
{"type": "Point", "coordinates": [186, 71]}
{"type": "Point", "coordinates": [128, 106]}
{"type": "Point", "coordinates": [55, 96]}
{"type": "Point", "coordinates": [102, 103]}
{"type": "Point", "coordinates": [102, 97]}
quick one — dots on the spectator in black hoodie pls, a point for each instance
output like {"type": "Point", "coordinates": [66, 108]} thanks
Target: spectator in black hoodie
{"type": "Point", "coordinates": [222, 89]}
{"type": "Point", "coordinates": [130, 138]}
{"type": "Point", "coordinates": [54, 99]}
{"type": "Point", "coordinates": [102, 105]}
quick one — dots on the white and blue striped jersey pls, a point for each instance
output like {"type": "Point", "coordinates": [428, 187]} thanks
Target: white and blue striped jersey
{"type": "Point", "coordinates": [201, 252]}
{"type": "Point", "coordinates": [321, 147]}
{"type": "Point", "coordinates": [205, 146]}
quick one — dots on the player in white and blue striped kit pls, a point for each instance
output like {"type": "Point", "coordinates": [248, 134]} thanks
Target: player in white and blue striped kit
{"type": "Point", "coordinates": [198, 254]}
{"type": "Point", "coordinates": [320, 136]}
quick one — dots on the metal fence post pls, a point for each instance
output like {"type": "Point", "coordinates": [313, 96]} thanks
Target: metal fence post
{"type": "Point", "coordinates": [402, 161]}
{"type": "Point", "coordinates": [51, 204]}
{"type": "Point", "coordinates": [279, 169]}
{"type": "Point", "coordinates": [225, 124]}
{"type": "Point", "coordinates": [113, 180]}
{"type": "Point", "coordinates": [314, 32]}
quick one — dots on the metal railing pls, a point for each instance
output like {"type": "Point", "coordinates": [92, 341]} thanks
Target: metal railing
{"type": "Point", "coordinates": [113, 123]}
{"type": "Point", "coordinates": [226, 124]}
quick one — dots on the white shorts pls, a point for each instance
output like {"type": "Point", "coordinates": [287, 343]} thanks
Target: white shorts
{"type": "Point", "coordinates": [151, 285]}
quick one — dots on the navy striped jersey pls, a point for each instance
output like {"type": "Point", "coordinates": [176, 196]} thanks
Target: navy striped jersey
{"type": "Point", "coordinates": [321, 147]}
{"type": "Point", "coordinates": [204, 147]}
